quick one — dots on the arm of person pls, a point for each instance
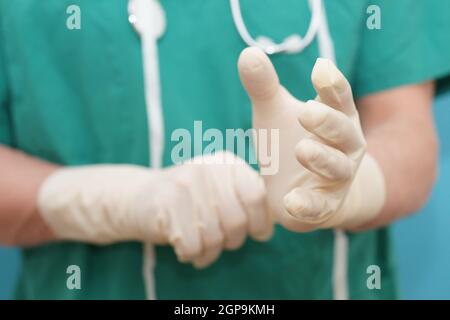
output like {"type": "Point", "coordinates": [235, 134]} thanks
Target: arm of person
{"type": "Point", "coordinates": [22, 176]}
{"type": "Point", "coordinates": [399, 129]}
{"type": "Point", "coordinates": [200, 207]}
{"type": "Point", "coordinates": [340, 166]}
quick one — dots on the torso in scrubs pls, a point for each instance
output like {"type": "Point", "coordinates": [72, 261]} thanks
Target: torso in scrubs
{"type": "Point", "coordinates": [77, 97]}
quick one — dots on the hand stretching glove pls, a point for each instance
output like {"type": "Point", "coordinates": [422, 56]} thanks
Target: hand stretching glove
{"type": "Point", "coordinates": [200, 207]}
{"type": "Point", "coordinates": [325, 178]}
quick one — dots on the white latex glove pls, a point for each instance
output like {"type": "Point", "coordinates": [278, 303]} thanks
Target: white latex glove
{"type": "Point", "coordinates": [199, 208]}
{"type": "Point", "coordinates": [325, 178]}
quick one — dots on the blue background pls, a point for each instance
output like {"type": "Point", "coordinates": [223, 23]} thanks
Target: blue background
{"type": "Point", "coordinates": [422, 241]}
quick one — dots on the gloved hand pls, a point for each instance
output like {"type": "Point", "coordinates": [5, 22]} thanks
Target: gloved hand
{"type": "Point", "coordinates": [325, 178]}
{"type": "Point", "coordinates": [200, 207]}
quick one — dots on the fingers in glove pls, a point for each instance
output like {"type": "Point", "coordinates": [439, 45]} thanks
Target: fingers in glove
{"type": "Point", "coordinates": [208, 256]}
{"type": "Point", "coordinates": [332, 87]}
{"type": "Point", "coordinates": [307, 205]}
{"type": "Point", "coordinates": [258, 75]}
{"type": "Point", "coordinates": [233, 218]}
{"type": "Point", "coordinates": [327, 162]}
{"type": "Point", "coordinates": [180, 226]}
{"type": "Point", "coordinates": [184, 236]}
{"type": "Point", "coordinates": [294, 224]}
{"type": "Point", "coordinates": [251, 192]}
{"type": "Point", "coordinates": [331, 125]}
{"type": "Point", "coordinates": [211, 235]}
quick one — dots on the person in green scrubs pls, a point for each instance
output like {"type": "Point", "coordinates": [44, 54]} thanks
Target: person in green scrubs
{"type": "Point", "coordinates": [73, 97]}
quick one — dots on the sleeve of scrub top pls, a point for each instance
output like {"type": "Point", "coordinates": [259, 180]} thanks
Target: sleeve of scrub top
{"type": "Point", "coordinates": [410, 47]}
{"type": "Point", "coordinates": [5, 130]}
{"type": "Point", "coordinates": [437, 40]}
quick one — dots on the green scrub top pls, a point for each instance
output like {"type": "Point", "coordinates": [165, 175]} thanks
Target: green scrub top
{"type": "Point", "coordinates": [76, 97]}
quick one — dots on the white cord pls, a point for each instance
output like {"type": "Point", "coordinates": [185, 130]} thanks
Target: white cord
{"type": "Point", "coordinates": [325, 42]}
{"type": "Point", "coordinates": [147, 271]}
{"type": "Point", "coordinates": [292, 44]}
{"type": "Point", "coordinates": [147, 17]}
{"type": "Point", "coordinates": [153, 101]}
{"type": "Point", "coordinates": [340, 279]}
